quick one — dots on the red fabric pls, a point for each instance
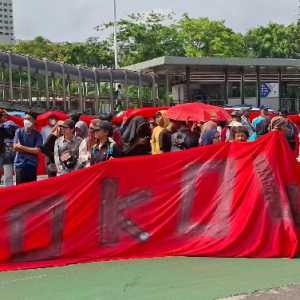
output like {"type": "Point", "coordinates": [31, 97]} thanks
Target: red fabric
{"type": "Point", "coordinates": [42, 120]}
{"type": "Point", "coordinates": [146, 112]}
{"type": "Point", "coordinates": [226, 200]}
{"type": "Point", "coordinates": [87, 119]}
{"type": "Point", "coordinates": [17, 120]}
{"type": "Point", "coordinates": [198, 112]}
{"type": "Point", "coordinates": [117, 136]}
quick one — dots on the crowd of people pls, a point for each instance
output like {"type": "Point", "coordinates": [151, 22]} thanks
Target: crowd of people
{"type": "Point", "coordinates": [73, 144]}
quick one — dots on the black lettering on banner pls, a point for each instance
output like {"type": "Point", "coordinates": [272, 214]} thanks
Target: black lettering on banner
{"type": "Point", "coordinates": [293, 193]}
{"type": "Point", "coordinates": [55, 207]}
{"type": "Point", "coordinates": [220, 224]}
{"type": "Point", "coordinates": [113, 221]}
{"type": "Point", "coordinates": [269, 187]}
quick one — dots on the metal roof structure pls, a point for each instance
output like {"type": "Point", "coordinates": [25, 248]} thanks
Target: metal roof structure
{"type": "Point", "coordinates": [57, 69]}
{"type": "Point", "coordinates": [164, 64]}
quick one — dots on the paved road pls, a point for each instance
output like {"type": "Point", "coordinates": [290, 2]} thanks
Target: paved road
{"type": "Point", "coordinates": [284, 293]}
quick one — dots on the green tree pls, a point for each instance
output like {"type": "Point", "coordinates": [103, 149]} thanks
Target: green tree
{"type": "Point", "coordinates": [145, 36]}
{"type": "Point", "coordinates": [206, 38]}
{"type": "Point", "coordinates": [39, 48]}
{"type": "Point", "coordinates": [92, 53]}
{"type": "Point", "coordinates": [274, 40]}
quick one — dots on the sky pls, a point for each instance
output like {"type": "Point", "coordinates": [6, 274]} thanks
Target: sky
{"type": "Point", "coordinates": [75, 20]}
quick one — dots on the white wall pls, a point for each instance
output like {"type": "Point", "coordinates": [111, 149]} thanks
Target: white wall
{"type": "Point", "coordinates": [273, 103]}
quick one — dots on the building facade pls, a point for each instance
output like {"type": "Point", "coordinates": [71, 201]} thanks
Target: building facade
{"type": "Point", "coordinates": [227, 81]}
{"type": "Point", "coordinates": [6, 22]}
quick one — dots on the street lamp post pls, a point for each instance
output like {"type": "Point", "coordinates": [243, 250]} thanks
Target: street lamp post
{"type": "Point", "coordinates": [115, 36]}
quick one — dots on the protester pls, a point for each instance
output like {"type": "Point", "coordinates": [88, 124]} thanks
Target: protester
{"type": "Point", "coordinates": [66, 149]}
{"type": "Point", "coordinates": [7, 153]}
{"type": "Point", "coordinates": [183, 139]}
{"type": "Point", "coordinates": [223, 129]}
{"type": "Point", "coordinates": [48, 149]}
{"type": "Point", "coordinates": [75, 117]}
{"type": "Point", "coordinates": [118, 96]}
{"type": "Point", "coordinates": [46, 130]}
{"type": "Point", "coordinates": [137, 137]}
{"type": "Point", "coordinates": [81, 129]}
{"type": "Point", "coordinates": [86, 145]}
{"type": "Point", "coordinates": [240, 134]}
{"type": "Point", "coordinates": [211, 136]}
{"type": "Point", "coordinates": [105, 147]}
{"type": "Point", "coordinates": [27, 144]}
{"type": "Point", "coordinates": [279, 123]}
{"type": "Point", "coordinates": [165, 137]}
{"type": "Point", "coordinates": [236, 121]}
{"type": "Point", "coordinates": [292, 131]}
{"type": "Point", "coordinates": [117, 135]}
{"type": "Point", "coordinates": [246, 122]}
{"type": "Point", "coordinates": [205, 128]}
{"type": "Point", "coordinates": [261, 123]}
{"type": "Point", "coordinates": [162, 123]}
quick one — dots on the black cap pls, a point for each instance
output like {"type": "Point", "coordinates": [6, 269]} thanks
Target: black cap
{"type": "Point", "coordinates": [75, 117]}
{"type": "Point", "coordinates": [68, 124]}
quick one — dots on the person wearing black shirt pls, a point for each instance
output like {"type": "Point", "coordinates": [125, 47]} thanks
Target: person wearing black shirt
{"type": "Point", "coordinates": [105, 147]}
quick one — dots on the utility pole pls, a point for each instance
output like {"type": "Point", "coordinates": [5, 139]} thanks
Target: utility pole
{"type": "Point", "coordinates": [298, 12]}
{"type": "Point", "coordinates": [115, 35]}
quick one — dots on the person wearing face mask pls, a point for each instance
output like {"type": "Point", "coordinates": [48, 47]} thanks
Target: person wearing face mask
{"type": "Point", "coordinates": [27, 143]}
{"type": "Point", "coordinates": [46, 131]}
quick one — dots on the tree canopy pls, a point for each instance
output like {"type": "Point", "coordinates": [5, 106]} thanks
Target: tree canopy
{"type": "Point", "coordinates": [144, 36]}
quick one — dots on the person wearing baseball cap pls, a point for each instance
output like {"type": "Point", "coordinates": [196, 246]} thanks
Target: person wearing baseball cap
{"type": "Point", "coordinates": [66, 149]}
{"type": "Point", "coordinates": [236, 119]}
{"type": "Point", "coordinates": [27, 143]}
{"type": "Point", "coordinates": [105, 147]}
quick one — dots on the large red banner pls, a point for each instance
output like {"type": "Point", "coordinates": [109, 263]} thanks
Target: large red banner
{"type": "Point", "coordinates": [226, 200]}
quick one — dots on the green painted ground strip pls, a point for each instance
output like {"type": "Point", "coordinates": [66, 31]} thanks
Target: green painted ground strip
{"type": "Point", "coordinates": [176, 278]}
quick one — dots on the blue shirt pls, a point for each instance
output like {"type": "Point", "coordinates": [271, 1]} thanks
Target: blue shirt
{"type": "Point", "coordinates": [31, 139]}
